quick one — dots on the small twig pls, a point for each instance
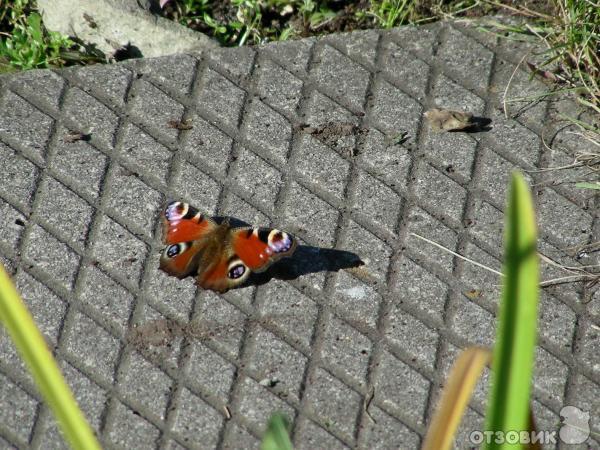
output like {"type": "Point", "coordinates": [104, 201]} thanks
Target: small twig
{"type": "Point", "coordinates": [587, 248]}
{"type": "Point", "coordinates": [568, 279]}
{"type": "Point", "coordinates": [550, 169]}
{"type": "Point", "coordinates": [544, 140]}
{"type": "Point", "coordinates": [508, 85]}
{"type": "Point", "coordinates": [581, 179]}
{"type": "Point", "coordinates": [322, 24]}
{"type": "Point", "coordinates": [521, 10]}
{"type": "Point", "coordinates": [582, 275]}
{"type": "Point", "coordinates": [572, 269]}
{"type": "Point", "coordinates": [538, 35]}
{"type": "Point", "coordinates": [587, 137]}
{"type": "Point", "coordinates": [554, 263]}
{"type": "Point", "coordinates": [489, 269]}
{"type": "Point", "coordinates": [453, 15]}
{"type": "Point", "coordinates": [583, 159]}
{"type": "Point", "coordinates": [539, 97]}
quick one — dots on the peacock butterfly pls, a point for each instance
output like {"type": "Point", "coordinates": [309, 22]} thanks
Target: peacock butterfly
{"type": "Point", "coordinates": [220, 255]}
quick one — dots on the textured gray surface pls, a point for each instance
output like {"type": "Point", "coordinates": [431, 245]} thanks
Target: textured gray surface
{"type": "Point", "coordinates": [300, 135]}
{"type": "Point", "coordinates": [112, 24]}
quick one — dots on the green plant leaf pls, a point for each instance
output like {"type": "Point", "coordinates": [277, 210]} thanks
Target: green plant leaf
{"type": "Point", "coordinates": [276, 437]}
{"type": "Point", "coordinates": [33, 349]}
{"type": "Point", "coordinates": [286, 34]}
{"type": "Point", "coordinates": [35, 27]}
{"type": "Point", "coordinates": [595, 185]}
{"type": "Point", "coordinates": [513, 358]}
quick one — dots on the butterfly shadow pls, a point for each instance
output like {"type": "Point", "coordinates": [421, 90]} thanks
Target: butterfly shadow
{"type": "Point", "coordinates": [478, 125]}
{"type": "Point", "coordinates": [307, 259]}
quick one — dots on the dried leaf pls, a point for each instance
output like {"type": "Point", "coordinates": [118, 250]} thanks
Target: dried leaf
{"type": "Point", "coordinates": [447, 120]}
{"type": "Point", "coordinates": [181, 124]}
{"type": "Point", "coordinates": [456, 395]}
{"type": "Point", "coordinates": [74, 136]}
{"type": "Point", "coordinates": [474, 293]}
{"type": "Point", "coordinates": [546, 74]}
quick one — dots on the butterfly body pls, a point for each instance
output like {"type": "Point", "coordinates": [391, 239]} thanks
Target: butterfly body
{"type": "Point", "coordinates": [222, 256]}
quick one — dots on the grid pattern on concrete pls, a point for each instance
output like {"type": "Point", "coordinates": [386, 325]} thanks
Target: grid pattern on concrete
{"type": "Point", "coordinates": [301, 135]}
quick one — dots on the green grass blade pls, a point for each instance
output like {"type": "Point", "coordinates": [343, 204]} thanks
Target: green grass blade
{"type": "Point", "coordinates": [512, 363]}
{"type": "Point", "coordinates": [48, 378]}
{"type": "Point", "coordinates": [276, 437]}
{"type": "Point", "coordinates": [595, 185]}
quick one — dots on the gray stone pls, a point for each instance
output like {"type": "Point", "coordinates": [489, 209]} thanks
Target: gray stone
{"type": "Point", "coordinates": [113, 24]}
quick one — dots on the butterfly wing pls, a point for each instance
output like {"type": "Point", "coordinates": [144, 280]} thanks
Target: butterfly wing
{"type": "Point", "coordinates": [224, 273]}
{"type": "Point", "coordinates": [258, 248]}
{"type": "Point", "coordinates": [184, 223]}
{"type": "Point", "coordinates": [241, 251]}
{"type": "Point", "coordinates": [186, 231]}
{"type": "Point", "coordinates": [221, 256]}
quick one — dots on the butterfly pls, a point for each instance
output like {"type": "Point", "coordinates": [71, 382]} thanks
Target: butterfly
{"type": "Point", "coordinates": [220, 255]}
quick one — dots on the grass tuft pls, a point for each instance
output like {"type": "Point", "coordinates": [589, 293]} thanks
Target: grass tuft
{"type": "Point", "coordinates": [575, 42]}
{"type": "Point", "coordinates": [570, 33]}
{"type": "Point", "coordinates": [26, 44]}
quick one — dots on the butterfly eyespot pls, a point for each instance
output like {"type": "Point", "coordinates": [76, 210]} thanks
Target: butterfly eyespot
{"type": "Point", "coordinates": [236, 271]}
{"type": "Point", "coordinates": [176, 210]}
{"type": "Point", "coordinates": [172, 250]}
{"type": "Point", "coordinates": [176, 249]}
{"type": "Point", "coordinates": [279, 242]}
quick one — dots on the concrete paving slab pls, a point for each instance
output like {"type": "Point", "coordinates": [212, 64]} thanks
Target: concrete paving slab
{"type": "Point", "coordinates": [301, 135]}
